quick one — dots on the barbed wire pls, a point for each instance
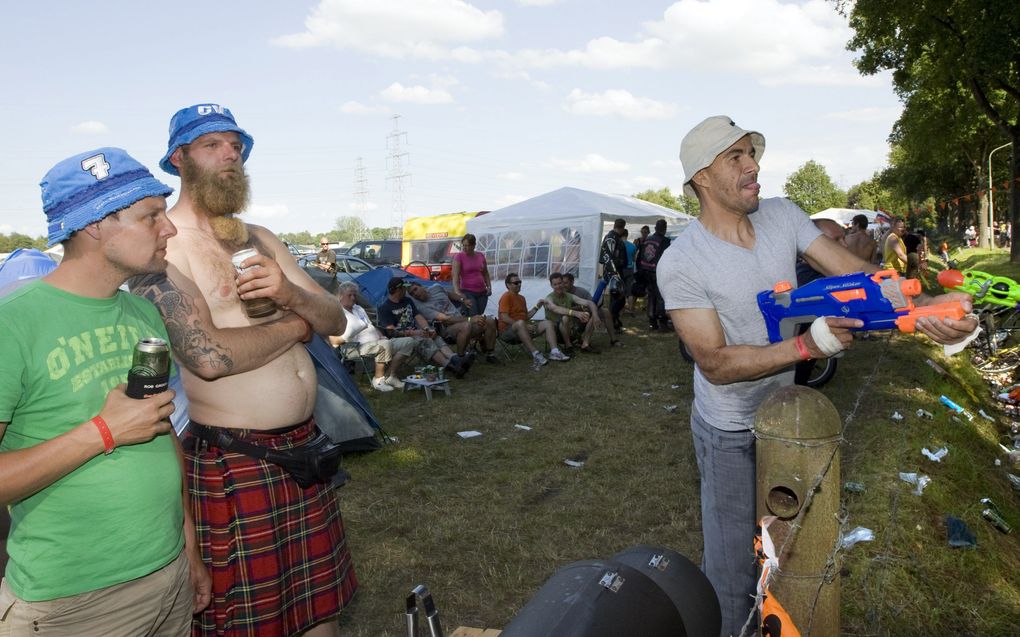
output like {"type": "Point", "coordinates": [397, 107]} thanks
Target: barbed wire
{"type": "Point", "coordinates": [832, 560]}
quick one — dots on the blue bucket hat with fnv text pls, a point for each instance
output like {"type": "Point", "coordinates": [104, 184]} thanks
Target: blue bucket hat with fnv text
{"type": "Point", "coordinates": [90, 186]}
{"type": "Point", "coordinates": [188, 124]}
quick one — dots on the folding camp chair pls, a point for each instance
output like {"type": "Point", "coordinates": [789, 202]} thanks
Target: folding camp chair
{"type": "Point", "coordinates": [350, 353]}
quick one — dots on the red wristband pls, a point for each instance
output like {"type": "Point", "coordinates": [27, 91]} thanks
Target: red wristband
{"type": "Point", "coordinates": [805, 355]}
{"type": "Point", "coordinates": [104, 432]}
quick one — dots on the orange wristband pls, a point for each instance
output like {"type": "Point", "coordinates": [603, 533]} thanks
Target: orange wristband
{"type": "Point", "coordinates": [805, 355]}
{"type": "Point", "coordinates": [104, 432]}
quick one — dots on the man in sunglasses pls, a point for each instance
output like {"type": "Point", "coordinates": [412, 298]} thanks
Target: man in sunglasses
{"type": "Point", "coordinates": [326, 258]}
{"type": "Point", "coordinates": [516, 326]}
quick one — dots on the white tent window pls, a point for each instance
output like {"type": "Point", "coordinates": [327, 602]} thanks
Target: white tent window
{"type": "Point", "coordinates": [535, 260]}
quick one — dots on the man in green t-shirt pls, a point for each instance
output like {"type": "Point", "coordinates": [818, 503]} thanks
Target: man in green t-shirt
{"type": "Point", "coordinates": [562, 303]}
{"type": "Point", "coordinates": [101, 541]}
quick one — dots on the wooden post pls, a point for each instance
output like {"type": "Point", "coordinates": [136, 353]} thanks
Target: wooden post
{"type": "Point", "coordinates": [798, 432]}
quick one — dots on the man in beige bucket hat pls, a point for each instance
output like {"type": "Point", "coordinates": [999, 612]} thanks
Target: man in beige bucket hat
{"type": "Point", "coordinates": [709, 279]}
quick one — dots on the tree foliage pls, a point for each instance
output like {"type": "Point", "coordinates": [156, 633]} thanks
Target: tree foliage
{"type": "Point", "coordinates": [938, 49]}
{"type": "Point", "coordinates": [811, 188]}
{"type": "Point", "coordinates": [13, 241]}
{"type": "Point", "coordinates": [666, 198]}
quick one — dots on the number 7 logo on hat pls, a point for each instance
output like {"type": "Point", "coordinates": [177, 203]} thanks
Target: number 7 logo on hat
{"type": "Point", "coordinates": [97, 165]}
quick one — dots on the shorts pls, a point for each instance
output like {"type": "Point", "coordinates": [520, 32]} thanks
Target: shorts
{"type": "Point", "coordinates": [157, 605]}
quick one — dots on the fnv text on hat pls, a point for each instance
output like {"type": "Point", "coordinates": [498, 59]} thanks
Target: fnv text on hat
{"type": "Point", "coordinates": [188, 124]}
{"type": "Point", "coordinates": [90, 186]}
{"type": "Point", "coordinates": [707, 140]}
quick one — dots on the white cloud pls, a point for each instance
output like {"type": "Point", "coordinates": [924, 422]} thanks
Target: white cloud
{"type": "Point", "coordinates": [357, 108]}
{"type": "Point", "coordinates": [536, 3]}
{"type": "Point", "coordinates": [617, 102]}
{"type": "Point", "coordinates": [590, 163]}
{"type": "Point", "coordinates": [268, 211]}
{"type": "Point", "coordinates": [90, 127]}
{"type": "Point", "coordinates": [417, 94]}
{"type": "Point", "coordinates": [512, 176]}
{"type": "Point", "coordinates": [778, 42]}
{"type": "Point", "coordinates": [397, 28]}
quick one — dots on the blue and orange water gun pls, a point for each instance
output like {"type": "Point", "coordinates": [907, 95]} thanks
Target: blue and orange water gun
{"type": "Point", "coordinates": [883, 301]}
{"type": "Point", "coordinates": [984, 287]}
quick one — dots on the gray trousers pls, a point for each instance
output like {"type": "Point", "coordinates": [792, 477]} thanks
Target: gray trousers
{"type": "Point", "coordinates": [726, 463]}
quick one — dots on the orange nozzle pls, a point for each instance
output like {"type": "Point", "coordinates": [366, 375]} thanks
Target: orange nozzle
{"type": "Point", "coordinates": [782, 286]}
{"type": "Point", "coordinates": [950, 278]}
{"type": "Point", "coordinates": [910, 287]}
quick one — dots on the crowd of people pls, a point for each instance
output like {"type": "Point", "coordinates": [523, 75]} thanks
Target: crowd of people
{"type": "Point", "coordinates": [120, 527]}
{"type": "Point", "coordinates": [423, 322]}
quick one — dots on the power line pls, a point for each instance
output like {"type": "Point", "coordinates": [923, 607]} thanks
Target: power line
{"type": "Point", "coordinates": [396, 161]}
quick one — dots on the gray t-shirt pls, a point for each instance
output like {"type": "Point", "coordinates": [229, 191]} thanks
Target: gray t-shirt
{"type": "Point", "coordinates": [700, 270]}
{"type": "Point", "coordinates": [439, 303]}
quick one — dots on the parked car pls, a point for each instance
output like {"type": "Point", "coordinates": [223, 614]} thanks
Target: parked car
{"type": "Point", "coordinates": [347, 269]}
{"type": "Point", "coordinates": [383, 252]}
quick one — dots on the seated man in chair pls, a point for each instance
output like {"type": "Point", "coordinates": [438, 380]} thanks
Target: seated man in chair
{"type": "Point", "coordinates": [516, 326]}
{"type": "Point", "coordinates": [604, 314]}
{"type": "Point", "coordinates": [435, 304]}
{"type": "Point", "coordinates": [562, 303]}
{"type": "Point", "coordinates": [398, 317]}
{"type": "Point", "coordinates": [389, 353]}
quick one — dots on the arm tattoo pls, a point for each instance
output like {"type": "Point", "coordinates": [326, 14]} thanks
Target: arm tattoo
{"type": "Point", "coordinates": [192, 344]}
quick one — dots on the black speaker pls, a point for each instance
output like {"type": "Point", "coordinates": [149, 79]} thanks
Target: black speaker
{"type": "Point", "coordinates": [598, 599]}
{"type": "Point", "coordinates": [643, 591]}
{"type": "Point", "coordinates": [683, 582]}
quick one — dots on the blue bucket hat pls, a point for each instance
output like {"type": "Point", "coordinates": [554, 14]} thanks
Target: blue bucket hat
{"type": "Point", "coordinates": [188, 124]}
{"type": "Point", "coordinates": [88, 187]}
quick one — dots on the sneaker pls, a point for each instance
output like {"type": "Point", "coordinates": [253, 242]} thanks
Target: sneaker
{"type": "Point", "coordinates": [394, 382]}
{"type": "Point", "coordinates": [379, 384]}
{"type": "Point", "coordinates": [457, 367]}
{"type": "Point", "coordinates": [491, 358]}
{"type": "Point", "coordinates": [539, 359]}
{"type": "Point", "coordinates": [466, 361]}
{"type": "Point", "coordinates": [557, 355]}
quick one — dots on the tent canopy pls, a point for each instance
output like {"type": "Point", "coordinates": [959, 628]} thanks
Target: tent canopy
{"type": "Point", "coordinates": [844, 216]}
{"type": "Point", "coordinates": [559, 231]}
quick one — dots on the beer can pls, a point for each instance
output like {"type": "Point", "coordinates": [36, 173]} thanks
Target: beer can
{"type": "Point", "coordinates": [238, 258]}
{"type": "Point", "coordinates": [996, 521]}
{"type": "Point", "coordinates": [150, 368]}
{"type": "Point", "coordinates": [254, 308]}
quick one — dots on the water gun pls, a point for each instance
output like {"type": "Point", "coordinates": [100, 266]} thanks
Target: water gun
{"type": "Point", "coordinates": [984, 287]}
{"type": "Point", "coordinates": [882, 301]}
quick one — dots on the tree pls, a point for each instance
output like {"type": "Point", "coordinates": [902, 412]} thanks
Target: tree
{"type": "Point", "coordinates": [930, 44]}
{"type": "Point", "coordinates": [350, 229]}
{"type": "Point", "coordinates": [15, 240]}
{"type": "Point", "coordinates": [666, 198]}
{"type": "Point", "coordinates": [811, 188]}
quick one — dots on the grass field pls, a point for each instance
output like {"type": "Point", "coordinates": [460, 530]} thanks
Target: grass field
{"type": "Point", "coordinates": [485, 521]}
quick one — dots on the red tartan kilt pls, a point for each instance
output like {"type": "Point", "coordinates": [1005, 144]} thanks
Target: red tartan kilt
{"type": "Point", "coordinates": [277, 553]}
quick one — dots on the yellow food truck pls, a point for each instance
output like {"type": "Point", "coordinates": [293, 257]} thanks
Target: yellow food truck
{"type": "Point", "coordinates": [431, 242]}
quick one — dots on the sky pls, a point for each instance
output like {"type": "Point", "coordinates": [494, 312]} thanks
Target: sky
{"type": "Point", "coordinates": [498, 100]}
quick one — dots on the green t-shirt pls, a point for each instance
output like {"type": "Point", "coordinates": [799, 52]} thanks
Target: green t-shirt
{"type": "Point", "coordinates": [566, 301]}
{"type": "Point", "coordinates": [117, 517]}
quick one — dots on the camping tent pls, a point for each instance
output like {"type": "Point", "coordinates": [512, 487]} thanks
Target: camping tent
{"type": "Point", "coordinates": [22, 266]}
{"type": "Point", "coordinates": [559, 231]}
{"type": "Point", "coordinates": [843, 216]}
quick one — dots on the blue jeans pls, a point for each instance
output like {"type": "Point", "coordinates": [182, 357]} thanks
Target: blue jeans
{"type": "Point", "coordinates": [726, 463]}
{"type": "Point", "coordinates": [478, 302]}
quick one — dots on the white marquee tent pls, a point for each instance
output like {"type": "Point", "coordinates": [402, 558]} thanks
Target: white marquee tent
{"type": "Point", "coordinates": [844, 216]}
{"type": "Point", "coordinates": [560, 231]}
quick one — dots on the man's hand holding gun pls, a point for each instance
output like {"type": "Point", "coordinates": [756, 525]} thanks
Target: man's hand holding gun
{"type": "Point", "coordinates": [839, 305]}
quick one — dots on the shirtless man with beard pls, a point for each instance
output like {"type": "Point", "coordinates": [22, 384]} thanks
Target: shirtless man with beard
{"type": "Point", "coordinates": [276, 551]}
